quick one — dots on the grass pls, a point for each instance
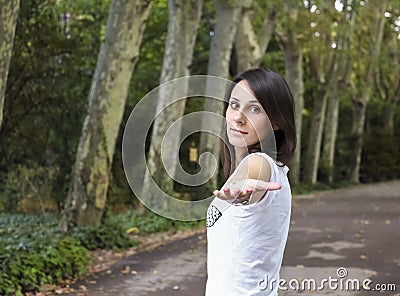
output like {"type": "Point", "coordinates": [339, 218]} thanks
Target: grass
{"type": "Point", "coordinates": [303, 189]}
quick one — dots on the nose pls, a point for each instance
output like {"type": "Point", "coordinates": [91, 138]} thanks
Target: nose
{"type": "Point", "coordinates": [239, 117]}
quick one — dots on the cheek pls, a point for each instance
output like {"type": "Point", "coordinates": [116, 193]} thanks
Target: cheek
{"type": "Point", "coordinates": [260, 127]}
{"type": "Point", "coordinates": [228, 115]}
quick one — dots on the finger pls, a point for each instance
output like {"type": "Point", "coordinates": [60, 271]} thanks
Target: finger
{"type": "Point", "coordinates": [274, 186]}
{"type": "Point", "coordinates": [227, 193]}
{"type": "Point", "coordinates": [244, 195]}
{"type": "Point", "coordinates": [219, 194]}
{"type": "Point", "coordinates": [236, 193]}
{"type": "Point", "coordinates": [248, 191]}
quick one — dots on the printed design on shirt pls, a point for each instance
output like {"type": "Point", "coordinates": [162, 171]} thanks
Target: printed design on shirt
{"type": "Point", "coordinates": [213, 214]}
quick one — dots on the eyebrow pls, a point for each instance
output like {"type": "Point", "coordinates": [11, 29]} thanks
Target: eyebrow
{"type": "Point", "coordinates": [251, 101]}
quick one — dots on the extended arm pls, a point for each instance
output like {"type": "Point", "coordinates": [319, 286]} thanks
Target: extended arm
{"type": "Point", "coordinates": [249, 182]}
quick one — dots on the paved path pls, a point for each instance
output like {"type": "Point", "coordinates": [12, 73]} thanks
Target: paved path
{"type": "Point", "coordinates": [356, 228]}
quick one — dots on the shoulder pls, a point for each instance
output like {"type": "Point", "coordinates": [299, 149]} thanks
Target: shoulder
{"type": "Point", "coordinates": [256, 166]}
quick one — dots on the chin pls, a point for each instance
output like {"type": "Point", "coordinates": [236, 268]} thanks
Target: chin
{"type": "Point", "coordinates": [237, 142]}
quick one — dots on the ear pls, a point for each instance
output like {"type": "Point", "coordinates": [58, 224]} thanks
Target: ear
{"type": "Point", "coordinates": [275, 127]}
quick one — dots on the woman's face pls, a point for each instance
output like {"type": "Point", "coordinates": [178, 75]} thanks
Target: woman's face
{"type": "Point", "coordinates": [247, 122]}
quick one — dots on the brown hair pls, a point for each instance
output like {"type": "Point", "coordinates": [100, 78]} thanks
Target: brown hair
{"type": "Point", "coordinates": [274, 95]}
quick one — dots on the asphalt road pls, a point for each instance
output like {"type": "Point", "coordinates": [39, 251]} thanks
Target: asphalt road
{"type": "Point", "coordinates": [353, 233]}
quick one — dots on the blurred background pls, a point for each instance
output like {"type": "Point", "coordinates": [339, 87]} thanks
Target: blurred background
{"type": "Point", "coordinates": [72, 71]}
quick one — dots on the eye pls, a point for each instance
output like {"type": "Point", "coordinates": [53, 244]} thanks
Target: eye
{"type": "Point", "coordinates": [234, 105]}
{"type": "Point", "coordinates": [255, 109]}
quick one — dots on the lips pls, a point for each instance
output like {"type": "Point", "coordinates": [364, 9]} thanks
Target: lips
{"type": "Point", "coordinates": [238, 131]}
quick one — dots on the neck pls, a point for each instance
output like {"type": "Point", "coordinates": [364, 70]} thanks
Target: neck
{"type": "Point", "coordinates": [239, 152]}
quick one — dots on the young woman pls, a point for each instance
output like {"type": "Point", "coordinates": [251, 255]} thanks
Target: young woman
{"type": "Point", "coordinates": [248, 221]}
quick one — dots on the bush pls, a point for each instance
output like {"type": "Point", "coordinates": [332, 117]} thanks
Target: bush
{"type": "Point", "coordinates": [109, 235]}
{"type": "Point", "coordinates": [149, 222]}
{"type": "Point", "coordinates": [381, 158]}
{"type": "Point", "coordinates": [33, 253]}
{"type": "Point", "coordinates": [28, 188]}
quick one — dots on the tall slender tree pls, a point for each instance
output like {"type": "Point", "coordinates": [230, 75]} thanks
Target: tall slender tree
{"type": "Point", "coordinates": [340, 82]}
{"type": "Point", "coordinates": [250, 45]}
{"type": "Point", "coordinates": [322, 63]}
{"type": "Point", "coordinates": [228, 14]}
{"type": "Point", "coordinates": [118, 55]}
{"type": "Point", "coordinates": [290, 38]}
{"type": "Point", "coordinates": [184, 17]}
{"type": "Point", "coordinates": [387, 82]}
{"type": "Point", "coordinates": [328, 61]}
{"type": "Point", "coordinates": [8, 22]}
{"type": "Point", "coordinates": [364, 79]}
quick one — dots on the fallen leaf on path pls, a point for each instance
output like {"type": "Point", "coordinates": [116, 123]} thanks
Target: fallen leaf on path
{"type": "Point", "coordinates": [127, 269]}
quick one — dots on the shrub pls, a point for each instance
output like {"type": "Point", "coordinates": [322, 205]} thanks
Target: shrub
{"type": "Point", "coordinates": [110, 235]}
{"type": "Point", "coordinates": [33, 253]}
{"type": "Point", "coordinates": [149, 222]}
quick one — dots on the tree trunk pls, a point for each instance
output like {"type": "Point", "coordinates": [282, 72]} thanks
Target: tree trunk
{"type": "Point", "coordinates": [361, 102]}
{"type": "Point", "coordinates": [359, 112]}
{"type": "Point", "coordinates": [218, 65]}
{"type": "Point", "coordinates": [326, 66]}
{"type": "Point", "coordinates": [118, 55]}
{"type": "Point", "coordinates": [387, 83]}
{"type": "Point", "coordinates": [340, 81]}
{"type": "Point", "coordinates": [294, 76]}
{"type": "Point", "coordinates": [321, 68]}
{"type": "Point", "coordinates": [330, 132]}
{"type": "Point", "coordinates": [292, 51]}
{"type": "Point", "coordinates": [184, 17]}
{"type": "Point", "coordinates": [250, 47]}
{"type": "Point", "coordinates": [315, 139]}
{"type": "Point", "coordinates": [8, 22]}
{"type": "Point", "coordinates": [388, 115]}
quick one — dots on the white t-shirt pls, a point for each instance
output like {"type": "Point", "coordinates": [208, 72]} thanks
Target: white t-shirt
{"type": "Point", "coordinates": [246, 242]}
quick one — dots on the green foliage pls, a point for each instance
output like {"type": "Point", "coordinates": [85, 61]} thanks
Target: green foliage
{"type": "Point", "coordinates": [110, 235]}
{"type": "Point", "coordinates": [303, 189]}
{"type": "Point", "coordinates": [55, 51]}
{"type": "Point", "coordinates": [10, 194]}
{"type": "Point", "coordinates": [33, 254]}
{"type": "Point", "coordinates": [149, 222]}
{"type": "Point", "coordinates": [380, 162]}
{"type": "Point", "coordinates": [54, 57]}
{"type": "Point", "coordinates": [30, 182]}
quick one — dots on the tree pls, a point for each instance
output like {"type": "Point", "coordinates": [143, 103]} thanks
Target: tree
{"type": "Point", "coordinates": [228, 13]}
{"type": "Point", "coordinates": [289, 35]}
{"type": "Point", "coordinates": [363, 83]}
{"type": "Point", "coordinates": [50, 73]}
{"type": "Point", "coordinates": [322, 62]}
{"type": "Point", "coordinates": [8, 21]}
{"type": "Point", "coordinates": [250, 46]}
{"type": "Point", "coordinates": [340, 81]}
{"type": "Point", "coordinates": [387, 82]}
{"type": "Point", "coordinates": [184, 17]}
{"type": "Point", "coordinates": [118, 55]}
{"type": "Point", "coordinates": [329, 60]}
